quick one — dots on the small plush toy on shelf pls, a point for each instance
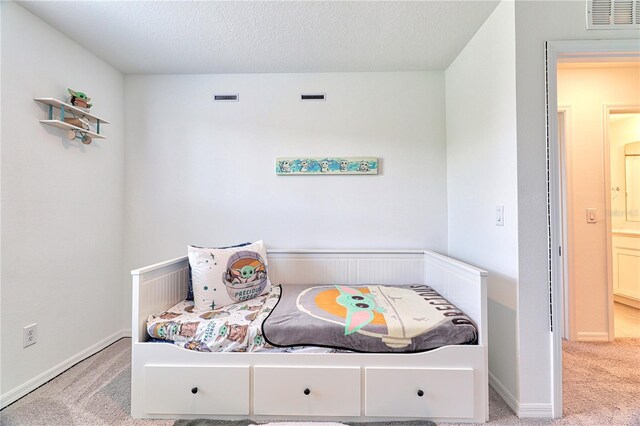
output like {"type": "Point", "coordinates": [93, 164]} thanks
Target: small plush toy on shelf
{"type": "Point", "coordinates": [79, 99]}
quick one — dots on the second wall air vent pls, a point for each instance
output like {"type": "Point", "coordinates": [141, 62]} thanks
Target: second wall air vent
{"type": "Point", "coordinates": [227, 97]}
{"type": "Point", "coordinates": [613, 14]}
{"type": "Point", "coordinates": [313, 97]}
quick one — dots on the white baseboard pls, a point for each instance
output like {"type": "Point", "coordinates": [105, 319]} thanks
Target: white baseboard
{"type": "Point", "coordinates": [536, 410]}
{"type": "Point", "coordinates": [592, 336]}
{"type": "Point", "coordinates": [20, 391]}
{"type": "Point", "coordinates": [521, 409]}
{"type": "Point", "coordinates": [504, 393]}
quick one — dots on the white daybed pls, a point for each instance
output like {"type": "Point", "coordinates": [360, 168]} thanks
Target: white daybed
{"type": "Point", "coordinates": [446, 384]}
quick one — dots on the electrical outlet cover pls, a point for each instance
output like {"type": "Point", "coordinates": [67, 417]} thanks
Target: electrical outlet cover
{"type": "Point", "coordinates": [29, 335]}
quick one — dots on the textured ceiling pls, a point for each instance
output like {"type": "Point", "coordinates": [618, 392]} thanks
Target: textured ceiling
{"type": "Point", "coordinates": [256, 37]}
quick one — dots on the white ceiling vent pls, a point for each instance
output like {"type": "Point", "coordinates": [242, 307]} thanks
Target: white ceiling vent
{"type": "Point", "coordinates": [226, 97]}
{"type": "Point", "coordinates": [613, 14]}
{"type": "Point", "coordinates": [313, 97]}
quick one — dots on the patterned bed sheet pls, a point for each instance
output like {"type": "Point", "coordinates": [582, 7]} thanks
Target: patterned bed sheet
{"type": "Point", "coordinates": [233, 328]}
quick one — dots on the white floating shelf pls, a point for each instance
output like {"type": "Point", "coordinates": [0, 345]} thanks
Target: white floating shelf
{"type": "Point", "coordinates": [66, 126]}
{"type": "Point", "coordinates": [68, 107]}
{"type": "Point", "coordinates": [65, 111]}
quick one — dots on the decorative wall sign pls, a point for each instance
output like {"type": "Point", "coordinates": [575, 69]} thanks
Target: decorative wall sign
{"type": "Point", "coordinates": [327, 166]}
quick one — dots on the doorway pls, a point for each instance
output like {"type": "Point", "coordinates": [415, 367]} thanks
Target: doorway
{"type": "Point", "coordinates": [573, 216]}
{"type": "Point", "coordinates": [623, 141]}
{"type": "Point", "coordinates": [607, 275]}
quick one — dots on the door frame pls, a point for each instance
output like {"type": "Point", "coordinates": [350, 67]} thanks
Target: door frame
{"type": "Point", "coordinates": [565, 200]}
{"type": "Point", "coordinates": [583, 50]}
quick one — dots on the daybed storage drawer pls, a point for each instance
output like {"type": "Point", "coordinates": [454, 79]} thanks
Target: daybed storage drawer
{"type": "Point", "coordinates": [196, 390]}
{"type": "Point", "coordinates": [307, 391]}
{"type": "Point", "coordinates": [419, 392]}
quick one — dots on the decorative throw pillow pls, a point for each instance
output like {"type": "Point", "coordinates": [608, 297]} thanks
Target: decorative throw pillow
{"type": "Point", "coordinates": [224, 276]}
{"type": "Point", "coordinates": [190, 287]}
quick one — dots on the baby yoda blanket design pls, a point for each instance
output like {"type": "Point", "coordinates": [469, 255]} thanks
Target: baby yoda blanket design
{"type": "Point", "coordinates": [367, 318]}
{"type": "Point", "coordinates": [233, 328]}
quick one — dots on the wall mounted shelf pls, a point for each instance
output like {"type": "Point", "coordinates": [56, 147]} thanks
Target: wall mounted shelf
{"type": "Point", "coordinates": [74, 112]}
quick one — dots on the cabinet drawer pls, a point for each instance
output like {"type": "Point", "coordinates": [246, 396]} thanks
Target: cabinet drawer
{"type": "Point", "coordinates": [312, 391]}
{"type": "Point", "coordinates": [419, 392]}
{"type": "Point", "coordinates": [196, 390]}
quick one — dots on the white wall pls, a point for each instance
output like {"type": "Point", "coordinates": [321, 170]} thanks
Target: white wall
{"type": "Point", "coordinates": [587, 91]}
{"type": "Point", "coordinates": [203, 173]}
{"type": "Point", "coordinates": [622, 132]}
{"type": "Point", "coordinates": [481, 173]}
{"type": "Point", "coordinates": [62, 220]}
{"type": "Point", "coordinates": [537, 22]}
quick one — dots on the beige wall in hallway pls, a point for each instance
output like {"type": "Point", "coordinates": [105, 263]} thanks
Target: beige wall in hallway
{"type": "Point", "coordinates": [587, 90]}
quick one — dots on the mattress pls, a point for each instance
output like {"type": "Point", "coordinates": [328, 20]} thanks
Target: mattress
{"type": "Point", "coordinates": [320, 319]}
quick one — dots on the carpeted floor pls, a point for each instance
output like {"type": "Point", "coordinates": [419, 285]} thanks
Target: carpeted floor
{"type": "Point", "coordinates": [601, 387]}
{"type": "Point", "coordinates": [603, 375]}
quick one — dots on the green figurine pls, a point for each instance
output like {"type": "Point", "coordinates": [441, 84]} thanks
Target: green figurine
{"type": "Point", "coordinates": [79, 99]}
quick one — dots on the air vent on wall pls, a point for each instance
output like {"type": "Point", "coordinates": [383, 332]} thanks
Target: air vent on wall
{"type": "Point", "coordinates": [313, 97]}
{"type": "Point", "coordinates": [228, 97]}
{"type": "Point", "coordinates": [613, 14]}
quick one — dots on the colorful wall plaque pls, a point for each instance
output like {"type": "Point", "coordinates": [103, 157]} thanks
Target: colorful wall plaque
{"type": "Point", "coordinates": [326, 166]}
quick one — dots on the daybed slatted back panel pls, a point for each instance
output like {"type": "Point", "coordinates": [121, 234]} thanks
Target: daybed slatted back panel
{"type": "Point", "coordinates": [461, 284]}
{"type": "Point", "coordinates": [309, 271]}
{"type": "Point", "coordinates": [159, 290]}
{"type": "Point", "coordinates": [390, 271]}
{"type": "Point", "coordinates": [346, 268]}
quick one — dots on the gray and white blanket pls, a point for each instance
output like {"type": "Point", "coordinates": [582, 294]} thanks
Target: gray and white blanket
{"type": "Point", "coordinates": [367, 318]}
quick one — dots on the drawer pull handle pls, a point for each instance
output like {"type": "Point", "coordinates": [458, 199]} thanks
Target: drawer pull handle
{"type": "Point", "coordinates": [420, 392]}
{"type": "Point", "coordinates": [307, 391]}
{"type": "Point", "coordinates": [194, 390]}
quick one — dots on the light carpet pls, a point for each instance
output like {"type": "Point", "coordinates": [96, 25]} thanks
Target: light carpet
{"type": "Point", "coordinates": [601, 387]}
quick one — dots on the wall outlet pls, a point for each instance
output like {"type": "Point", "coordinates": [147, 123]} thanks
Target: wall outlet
{"type": "Point", "coordinates": [29, 335]}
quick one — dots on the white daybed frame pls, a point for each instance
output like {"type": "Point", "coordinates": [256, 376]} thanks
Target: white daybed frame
{"type": "Point", "coordinates": [168, 381]}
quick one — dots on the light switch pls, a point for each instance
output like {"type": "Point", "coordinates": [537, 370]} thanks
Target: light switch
{"type": "Point", "coordinates": [591, 216]}
{"type": "Point", "coordinates": [499, 215]}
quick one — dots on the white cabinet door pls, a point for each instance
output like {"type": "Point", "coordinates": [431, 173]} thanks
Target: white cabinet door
{"type": "Point", "coordinates": [307, 391]}
{"type": "Point", "coordinates": [196, 390]}
{"type": "Point", "coordinates": [419, 392]}
{"type": "Point", "coordinates": [626, 267]}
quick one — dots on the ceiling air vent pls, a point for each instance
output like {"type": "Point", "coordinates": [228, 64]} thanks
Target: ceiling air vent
{"type": "Point", "coordinates": [313, 97]}
{"type": "Point", "coordinates": [229, 97]}
{"type": "Point", "coordinates": [613, 14]}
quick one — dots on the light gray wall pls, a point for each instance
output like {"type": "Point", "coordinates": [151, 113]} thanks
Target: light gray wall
{"type": "Point", "coordinates": [537, 22]}
{"type": "Point", "coordinates": [62, 202]}
{"type": "Point", "coordinates": [481, 174]}
{"type": "Point", "coordinates": [203, 173]}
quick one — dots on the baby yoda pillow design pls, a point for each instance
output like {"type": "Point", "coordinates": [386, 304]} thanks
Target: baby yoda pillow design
{"type": "Point", "coordinates": [221, 277]}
